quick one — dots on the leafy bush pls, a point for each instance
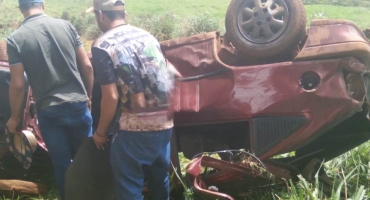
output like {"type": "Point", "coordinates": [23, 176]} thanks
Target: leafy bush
{"type": "Point", "coordinates": [83, 24]}
{"type": "Point", "coordinates": [8, 25]}
{"type": "Point", "coordinates": [66, 15]}
{"type": "Point", "coordinates": [201, 23]}
{"type": "Point", "coordinates": [92, 32]}
{"type": "Point", "coordinates": [6, 33]}
{"type": "Point", "coordinates": [163, 27]}
{"type": "Point", "coordinates": [169, 26]}
{"type": "Point", "coordinates": [78, 23]}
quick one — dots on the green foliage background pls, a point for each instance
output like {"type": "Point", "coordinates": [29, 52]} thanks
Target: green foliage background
{"type": "Point", "coordinates": [362, 3]}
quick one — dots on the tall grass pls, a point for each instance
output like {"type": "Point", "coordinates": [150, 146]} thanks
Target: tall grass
{"type": "Point", "coordinates": [192, 15]}
{"type": "Point", "coordinates": [163, 27]}
{"type": "Point", "coordinates": [349, 172]}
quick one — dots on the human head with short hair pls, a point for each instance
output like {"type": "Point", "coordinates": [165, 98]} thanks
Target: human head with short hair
{"type": "Point", "coordinates": [31, 7]}
{"type": "Point", "coordinates": [108, 13]}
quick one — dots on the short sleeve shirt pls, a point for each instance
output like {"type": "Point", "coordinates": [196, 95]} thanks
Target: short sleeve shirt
{"type": "Point", "coordinates": [131, 58]}
{"type": "Point", "coordinates": [47, 49]}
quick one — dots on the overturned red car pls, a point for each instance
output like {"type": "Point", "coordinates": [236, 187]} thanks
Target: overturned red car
{"type": "Point", "coordinates": [269, 86]}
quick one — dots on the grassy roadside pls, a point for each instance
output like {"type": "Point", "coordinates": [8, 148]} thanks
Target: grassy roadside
{"type": "Point", "coordinates": [216, 8]}
{"type": "Point", "coordinates": [143, 12]}
{"type": "Point", "coordinates": [165, 19]}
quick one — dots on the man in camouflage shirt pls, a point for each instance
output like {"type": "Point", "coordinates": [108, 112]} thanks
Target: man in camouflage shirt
{"type": "Point", "coordinates": [136, 89]}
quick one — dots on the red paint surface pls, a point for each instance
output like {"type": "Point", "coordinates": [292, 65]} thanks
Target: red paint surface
{"type": "Point", "coordinates": [267, 90]}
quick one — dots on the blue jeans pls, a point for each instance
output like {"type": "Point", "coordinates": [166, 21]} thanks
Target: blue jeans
{"type": "Point", "coordinates": [63, 128]}
{"type": "Point", "coordinates": [138, 155]}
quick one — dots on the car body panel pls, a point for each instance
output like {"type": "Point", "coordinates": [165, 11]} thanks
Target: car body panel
{"type": "Point", "coordinates": [242, 93]}
{"type": "Point", "coordinates": [335, 39]}
{"type": "Point", "coordinates": [29, 120]}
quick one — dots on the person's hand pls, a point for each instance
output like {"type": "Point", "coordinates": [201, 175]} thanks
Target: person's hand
{"type": "Point", "coordinates": [12, 125]}
{"type": "Point", "coordinates": [100, 141]}
{"type": "Point", "coordinates": [173, 70]}
{"type": "Point", "coordinates": [89, 104]}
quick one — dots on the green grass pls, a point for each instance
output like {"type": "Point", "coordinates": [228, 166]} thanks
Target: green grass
{"type": "Point", "coordinates": [11, 17]}
{"type": "Point", "coordinates": [216, 8]}
{"type": "Point", "coordinates": [165, 19]}
{"type": "Point", "coordinates": [358, 15]}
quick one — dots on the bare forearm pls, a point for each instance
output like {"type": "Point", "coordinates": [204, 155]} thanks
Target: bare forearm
{"type": "Point", "coordinates": [88, 79]}
{"type": "Point", "coordinates": [16, 96]}
{"type": "Point", "coordinates": [86, 70]}
{"type": "Point", "coordinates": [107, 111]}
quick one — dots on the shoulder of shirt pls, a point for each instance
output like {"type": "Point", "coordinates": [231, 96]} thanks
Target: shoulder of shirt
{"type": "Point", "coordinates": [57, 20]}
{"type": "Point", "coordinates": [102, 38]}
{"type": "Point", "coordinates": [127, 27]}
{"type": "Point", "coordinates": [62, 21]}
{"type": "Point", "coordinates": [19, 30]}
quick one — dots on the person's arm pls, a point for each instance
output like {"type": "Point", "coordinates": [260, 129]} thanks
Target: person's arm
{"type": "Point", "coordinates": [105, 75]}
{"type": "Point", "coordinates": [16, 88]}
{"type": "Point", "coordinates": [83, 62]}
{"type": "Point", "coordinates": [108, 107]}
{"type": "Point", "coordinates": [86, 70]}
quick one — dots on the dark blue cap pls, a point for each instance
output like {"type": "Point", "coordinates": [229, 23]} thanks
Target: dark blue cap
{"type": "Point", "coordinates": [29, 1]}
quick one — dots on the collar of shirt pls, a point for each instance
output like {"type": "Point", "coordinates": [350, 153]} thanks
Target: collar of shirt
{"type": "Point", "coordinates": [33, 17]}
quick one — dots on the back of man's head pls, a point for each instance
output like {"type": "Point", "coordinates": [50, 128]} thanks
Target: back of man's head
{"type": "Point", "coordinates": [116, 14]}
{"type": "Point", "coordinates": [25, 5]}
{"type": "Point", "coordinates": [113, 9]}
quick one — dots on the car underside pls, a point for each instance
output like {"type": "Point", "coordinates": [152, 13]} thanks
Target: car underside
{"type": "Point", "coordinates": [313, 105]}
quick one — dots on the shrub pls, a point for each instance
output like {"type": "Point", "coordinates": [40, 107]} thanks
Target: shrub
{"type": "Point", "coordinates": [92, 32]}
{"type": "Point", "coordinates": [8, 25]}
{"type": "Point", "coordinates": [5, 33]}
{"type": "Point", "coordinates": [66, 15]}
{"type": "Point", "coordinates": [83, 23]}
{"type": "Point", "coordinates": [202, 23]}
{"type": "Point", "coordinates": [163, 27]}
{"type": "Point", "coordinates": [78, 23]}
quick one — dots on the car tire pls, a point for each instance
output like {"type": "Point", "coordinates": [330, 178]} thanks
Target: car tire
{"type": "Point", "coordinates": [265, 28]}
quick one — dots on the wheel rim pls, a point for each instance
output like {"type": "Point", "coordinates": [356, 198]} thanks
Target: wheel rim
{"type": "Point", "coordinates": [262, 21]}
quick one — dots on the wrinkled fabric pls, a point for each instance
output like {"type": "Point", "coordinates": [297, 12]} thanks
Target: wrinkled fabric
{"type": "Point", "coordinates": [64, 128]}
